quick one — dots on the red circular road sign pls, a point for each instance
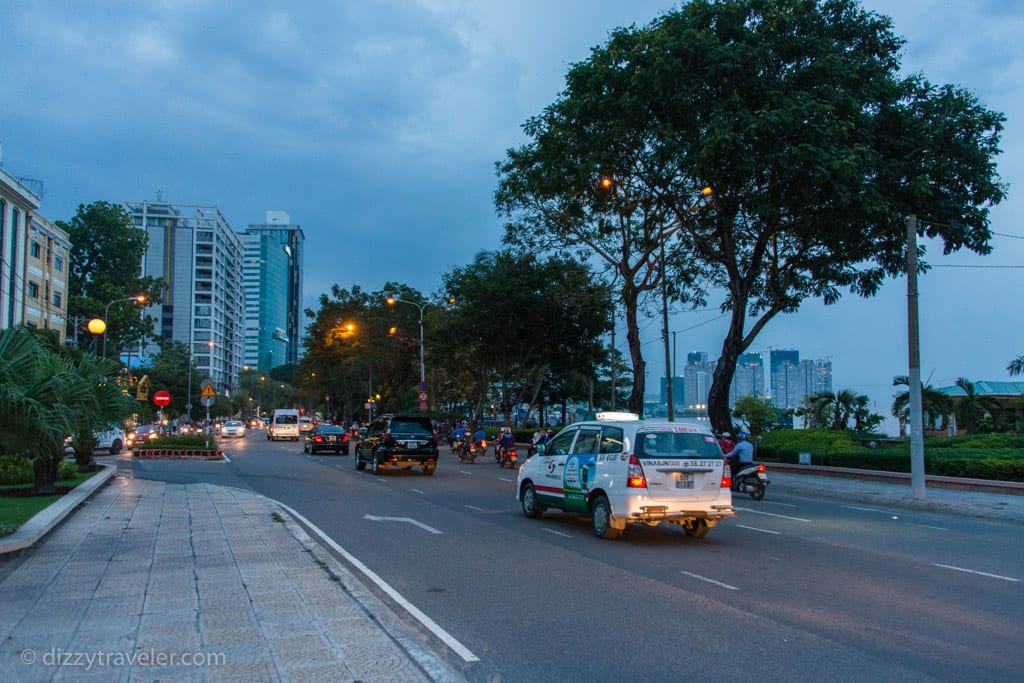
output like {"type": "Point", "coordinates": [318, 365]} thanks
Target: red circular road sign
{"type": "Point", "coordinates": [162, 398]}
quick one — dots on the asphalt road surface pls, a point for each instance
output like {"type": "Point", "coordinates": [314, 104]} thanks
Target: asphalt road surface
{"type": "Point", "coordinates": [795, 588]}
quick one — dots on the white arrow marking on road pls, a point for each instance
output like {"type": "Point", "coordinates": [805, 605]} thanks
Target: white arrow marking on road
{"type": "Point", "coordinates": [409, 520]}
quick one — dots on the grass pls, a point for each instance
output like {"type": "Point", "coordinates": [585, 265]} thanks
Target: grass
{"type": "Point", "coordinates": [16, 511]}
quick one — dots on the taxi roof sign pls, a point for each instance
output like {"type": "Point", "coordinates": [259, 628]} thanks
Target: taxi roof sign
{"type": "Point", "coordinates": [208, 391]}
{"type": "Point", "coordinates": [612, 415]}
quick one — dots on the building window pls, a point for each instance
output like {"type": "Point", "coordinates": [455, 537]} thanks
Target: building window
{"type": "Point", "coordinates": [33, 289]}
{"type": "Point", "coordinates": [57, 299]}
{"type": "Point", "coordinates": [58, 263]}
{"type": "Point", "coordinates": [35, 249]}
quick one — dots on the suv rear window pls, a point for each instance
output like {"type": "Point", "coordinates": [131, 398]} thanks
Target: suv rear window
{"type": "Point", "coordinates": [411, 425]}
{"type": "Point", "coordinates": [660, 444]}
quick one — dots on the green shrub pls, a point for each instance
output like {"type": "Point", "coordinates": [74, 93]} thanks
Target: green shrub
{"type": "Point", "coordinates": [185, 441]}
{"type": "Point", "coordinates": [16, 469]}
{"type": "Point", "coordinates": [66, 469]}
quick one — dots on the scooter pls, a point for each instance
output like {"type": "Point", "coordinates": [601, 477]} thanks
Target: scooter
{"type": "Point", "coordinates": [509, 457]}
{"type": "Point", "coordinates": [750, 478]}
{"type": "Point", "coordinates": [468, 449]}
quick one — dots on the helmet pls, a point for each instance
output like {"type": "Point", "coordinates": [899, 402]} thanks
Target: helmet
{"type": "Point", "coordinates": [726, 435]}
{"type": "Point", "coordinates": [743, 435]}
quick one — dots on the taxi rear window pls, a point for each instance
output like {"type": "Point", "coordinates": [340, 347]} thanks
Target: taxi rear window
{"type": "Point", "coordinates": [661, 444]}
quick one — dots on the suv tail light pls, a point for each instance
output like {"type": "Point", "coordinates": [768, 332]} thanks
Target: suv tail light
{"type": "Point", "coordinates": [388, 439]}
{"type": "Point", "coordinates": [726, 475]}
{"type": "Point", "coordinates": [635, 479]}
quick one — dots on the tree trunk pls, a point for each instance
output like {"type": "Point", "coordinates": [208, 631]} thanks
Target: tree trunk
{"type": "Point", "coordinates": [636, 397]}
{"type": "Point", "coordinates": [718, 395]}
{"type": "Point", "coordinates": [45, 469]}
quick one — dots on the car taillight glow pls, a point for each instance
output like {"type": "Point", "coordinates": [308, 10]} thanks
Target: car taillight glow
{"type": "Point", "coordinates": [726, 475]}
{"type": "Point", "coordinates": [318, 438]}
{"type": "Point", "coordinates": [635, 479]}
{"type": "Point", "coordinates": [388, 441]}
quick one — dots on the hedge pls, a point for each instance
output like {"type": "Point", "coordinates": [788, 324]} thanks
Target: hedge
{"type": "Point", "coordinates": [17, 469]}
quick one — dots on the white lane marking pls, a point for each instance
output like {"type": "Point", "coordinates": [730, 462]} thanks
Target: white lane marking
{"type": "Point", "coordinates": [772, 514]}
{"type": "Point", "coordinates": [504, 479]}
{"type": "Point", "coordinates": [754, 528]}
{"type": "Point", "coordinates": [465, 472]}
{"type": "Point", "coordinates": [927, 526]}
{"type": "Point", "coordinates": [427, 622]}
{"type": "Point", "coordinates": [471, 507]}
{"type": "Point", "coordinates": [408, 520]}
{"type": "Point", "coordinates": [418, 491]}
{"type": "Point", "coordinates": [854, 507]}
{"type": "Point", "coordinates": [775, 502]}
{"type": "Point", "coordinates": [226, 458]}
{"type": "Point", "coordinates": [972, 571]}
{"type": "Point", "coordinates": [556, 533]}
{"type": "Point", "coordinates": [717, 583]}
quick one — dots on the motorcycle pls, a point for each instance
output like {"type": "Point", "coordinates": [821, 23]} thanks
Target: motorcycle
{"type": "Point", "coordinates": [509, 457]}
{"type": "Point", "coordinates": [469, 449]}
{"type": "Point", "coordinates": [750, 478]}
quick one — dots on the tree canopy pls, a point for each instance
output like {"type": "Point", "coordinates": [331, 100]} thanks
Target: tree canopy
{"type": "Point", "coordinates": [815, 147]}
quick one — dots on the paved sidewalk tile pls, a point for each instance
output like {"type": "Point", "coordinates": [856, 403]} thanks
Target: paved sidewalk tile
{"type": "Point", "coordinates": [151, 581]}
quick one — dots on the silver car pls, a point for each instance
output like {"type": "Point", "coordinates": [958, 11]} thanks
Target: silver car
{"type": "Point", "coordinates": [234, 428]}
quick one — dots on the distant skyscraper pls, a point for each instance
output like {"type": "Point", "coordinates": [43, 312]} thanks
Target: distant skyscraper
{"type": "Point", "coordinates": [784, 365]}
{"type": "Point", "coordinates": [748, 380]}
{"type": "Point", "coordinates": [199, 257]}
{"type": "Point", "coordinates": [273, 291]}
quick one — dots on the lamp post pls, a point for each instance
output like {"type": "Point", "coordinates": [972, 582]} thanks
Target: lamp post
{"type": "Point", "coordinates": [663, 237]}
{"type": "Point", "coordinates": [392, 300]}
{"type": "Point", "coordinates": [140, 298]}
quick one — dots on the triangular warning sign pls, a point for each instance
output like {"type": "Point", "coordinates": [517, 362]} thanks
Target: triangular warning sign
{"type": "Point", "coordinates": [208, 391]}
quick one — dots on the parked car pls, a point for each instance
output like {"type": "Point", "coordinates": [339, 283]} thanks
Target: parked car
{"type": "Point", "coordinates": [235, 428]}
{"type": "Point", "coordinates": [142, 434]}
{"type": "Point", "coordinates": [404, 441]}
{"type": "Point", "coordinates": [622, 470]}
{"type": "Point", "coordinates": [326, 437]}
{"type": "Point", "coordinates": [111, 440]}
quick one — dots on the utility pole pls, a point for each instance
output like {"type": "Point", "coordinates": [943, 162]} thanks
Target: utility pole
{"type": "Point", "coordinates": [914, 356]}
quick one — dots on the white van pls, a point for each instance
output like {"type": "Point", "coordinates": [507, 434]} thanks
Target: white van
{"type": "Point", "coordinates": [284, 424]}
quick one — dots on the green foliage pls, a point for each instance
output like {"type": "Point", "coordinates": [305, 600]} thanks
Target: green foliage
{"type": "Point", "coordinates": [758, 414]}
{"type": "Point", "coordinates": [15, 469]}
{"type": "Point", "coordinates": [184, 441]}
{"type": "Point", "coordinates": [18, 469]}
{"type": "Point", "coordinates": [799, 119]}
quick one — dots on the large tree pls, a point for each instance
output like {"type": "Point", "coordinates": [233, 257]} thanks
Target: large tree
{"type": "Point", "coordinates": [795, 115]}
{"type": "Point", "coordinates": [528, 324]}
{"type": "Point", "coordinates": [105, 267]}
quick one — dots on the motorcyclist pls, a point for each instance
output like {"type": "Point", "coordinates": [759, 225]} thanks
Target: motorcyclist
{"type": "Point", "coordinates": [506, 442]}
{"type": "Point", "coordinates": [742, 453]}
{"type": "Point", "coordinates": [726, 443]}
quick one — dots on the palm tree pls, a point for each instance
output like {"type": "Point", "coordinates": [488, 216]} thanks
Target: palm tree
{"type": "Point", "coordinates": [833, 411]}
{"type": "Point", "coordinates": [973, 406]}
{"type": "Point", "coordinates": [1016, 366]}
{"type": "Point", "coordinates": [935, 406]}
{"type": "Point", "coordinates": [97, 402]}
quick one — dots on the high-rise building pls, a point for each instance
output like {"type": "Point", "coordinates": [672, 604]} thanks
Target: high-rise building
{"type": "Point", "coordinates": [17, 203]}
{"type": "Point", "coordinates": [273, 291]}
{"type": "Point", "coordinates": [46, 277]}
{"type": "Point", "coordinates": [199, 257]}
{"type": "Point", "coordinates": [784, 364]}
{"type": "Point", "coordinates": [748, 379]}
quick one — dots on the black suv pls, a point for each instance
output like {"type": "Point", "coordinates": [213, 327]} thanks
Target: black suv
{"type": "Point", "coordinates": [397, 441]}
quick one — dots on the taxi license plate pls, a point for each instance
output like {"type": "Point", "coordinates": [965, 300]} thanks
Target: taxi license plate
{"type": "Point", "coordinates": [412, 444]}
{"type": "Point", "coordinates": [684, 480]}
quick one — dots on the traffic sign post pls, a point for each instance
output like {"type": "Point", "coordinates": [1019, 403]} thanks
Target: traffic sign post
{"type": "Point", "coordinates": [162, 398]}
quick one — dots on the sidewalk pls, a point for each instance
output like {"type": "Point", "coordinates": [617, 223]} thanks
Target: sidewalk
{"type": "Point", "coordinates": [149, 581]}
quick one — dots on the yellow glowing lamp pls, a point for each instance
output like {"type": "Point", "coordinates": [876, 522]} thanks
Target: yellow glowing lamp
{"type": "Point", "coordinates": [97, 326]}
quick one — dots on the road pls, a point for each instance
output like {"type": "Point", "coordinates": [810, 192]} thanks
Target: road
{"type": "Point", "coordinates": [795, 588]}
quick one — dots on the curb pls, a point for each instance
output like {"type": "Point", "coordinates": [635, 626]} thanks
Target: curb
{"type": "Point", "coordinates": [44, 520]}
{"type": "Point", "coordinates": [177, 454]}
{"type": "Point", "coordinates": [936, 481]}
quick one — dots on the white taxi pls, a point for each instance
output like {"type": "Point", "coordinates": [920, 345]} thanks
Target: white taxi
{"type": "Point", "coordinates": [622, 470]}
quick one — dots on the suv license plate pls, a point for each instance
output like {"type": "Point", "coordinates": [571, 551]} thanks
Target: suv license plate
{"type": "Point", "coordinates": [412, 444]}
{"type": "Point", "coordinates": [684, 480]}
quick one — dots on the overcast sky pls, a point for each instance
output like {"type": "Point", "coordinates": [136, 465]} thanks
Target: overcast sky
{"type": "Point", "coordinates": [376, 125]}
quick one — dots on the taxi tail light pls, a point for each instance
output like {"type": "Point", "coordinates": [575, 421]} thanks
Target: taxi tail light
{"type": "Point", "coordinates": [726, 475]}
{"type": "Point", "coordinates": [635, 479]}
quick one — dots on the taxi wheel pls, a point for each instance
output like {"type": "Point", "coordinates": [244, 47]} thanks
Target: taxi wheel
{"type": "Point", "coordinates": [531, 507]}
{"type": "Point", "coordinates": [601, 513]}
{"type": "Point", "coordinates": [375, 465]}
{"type": "Point", "coordinates": [697, 528]}
{"type": "Point", "coordinates": [358, 460]}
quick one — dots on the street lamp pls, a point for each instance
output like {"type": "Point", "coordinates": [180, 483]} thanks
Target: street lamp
{"type": "Point", "coordinates": [140, 298]}
{"type": "Point", "coordinates": [392, 300]}
{"type": "Point", "coordinates": [663, 237]}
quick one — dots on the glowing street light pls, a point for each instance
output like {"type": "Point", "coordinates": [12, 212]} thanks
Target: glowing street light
{"type": "Point", "coordinates": [139, 298]}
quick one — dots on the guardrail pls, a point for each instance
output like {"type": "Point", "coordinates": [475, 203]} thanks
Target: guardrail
{"type": "Point", "coordinates": [961, 483]}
